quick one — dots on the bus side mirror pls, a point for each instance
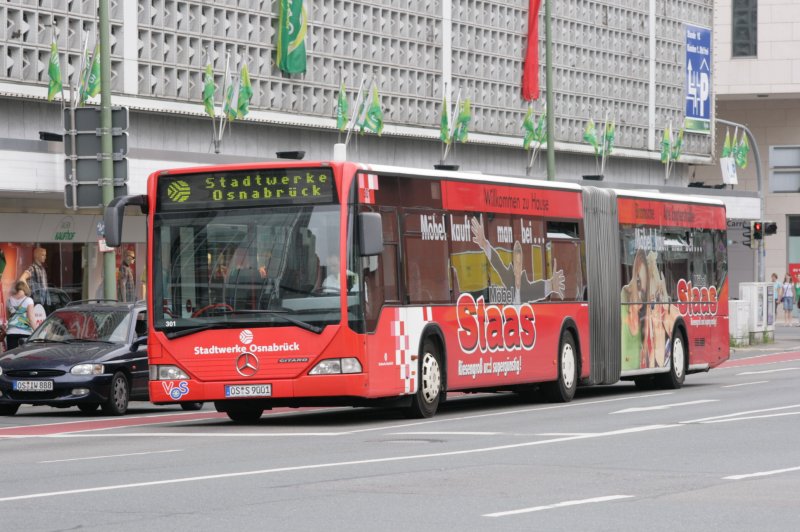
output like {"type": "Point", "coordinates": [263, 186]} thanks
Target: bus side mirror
{"type": "Point", "coordinates": [115, 211]}
{"type": "Point", "coordinates": [370, 233]}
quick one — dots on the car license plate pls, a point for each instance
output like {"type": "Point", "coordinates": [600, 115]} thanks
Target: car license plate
{"type": "Point", "coordinates": [33, 386]}
{"type": "Point", "coordinates": [248, 390]}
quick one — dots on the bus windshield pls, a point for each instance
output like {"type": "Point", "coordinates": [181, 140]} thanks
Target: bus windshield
{"type": "Point", "coordinates": [262, 266]}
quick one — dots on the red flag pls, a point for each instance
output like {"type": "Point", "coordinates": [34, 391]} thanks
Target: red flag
{"type": "Point", "coordinates": [530, 69]}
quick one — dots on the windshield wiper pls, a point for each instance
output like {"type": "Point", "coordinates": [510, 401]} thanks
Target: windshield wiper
{"type": "Point", "coordinates": [82, 340]}
{"type": "Point", "coordinates": [282, 314]}
{"type": "Point", "coordinates": [45, 341]}
{"type": "Point", "coordinates": [200, 328]}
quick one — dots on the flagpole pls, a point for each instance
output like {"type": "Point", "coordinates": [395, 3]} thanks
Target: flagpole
{"type": "Point", "coordinates": [355, 111]}
{"type": "Point", "coordinates": [446, 111]}
{"type": "Point", "coordinates": [55, 40]}
{"type": "Point", "coordinates": [76, 93]}
{"type": "Point", "coordinates": [213, 105]}
{"type": "Point", "coordinates": [222, 119]}
{"type": "Point", "coordinates": [603, 145]}
{"type": "Point", "coordinates": [341, 82]}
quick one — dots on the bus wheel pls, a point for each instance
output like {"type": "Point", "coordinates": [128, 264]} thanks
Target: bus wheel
{"type": "Point", "coordinates": [673, 379]}
{"type": "Point", "coordinates": [429, 390]}
{"type": "Point", "coordinates": [563, 390]}
{"type": "Point", "coordinates": [118, 396]}
{"type": "Point", "coordinates": [8, 410]}
{"type": "Point", "coordinates": [244, 414]}
{"type": "Point", "coordinates": [188, 407]}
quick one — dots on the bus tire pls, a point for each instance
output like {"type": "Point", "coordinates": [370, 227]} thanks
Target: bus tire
{"type": "Point", "coordinates": [673, 379]}
{"type": "Point", "coordinates": [244, 414]}
{"type": "Point", "coordinates": [189, 407]}
{"type": "Point", "coordinates": [425, 401]}
{"type": "Point", "coordinates": [563, 389]}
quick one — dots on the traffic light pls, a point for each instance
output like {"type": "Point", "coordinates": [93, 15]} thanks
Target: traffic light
{"type": "Point", "coordinates": [757, 231]}
{"type": "Point", "coordinates": [770, 228]}
{"type": "Point", "coordinates": [746, 234]}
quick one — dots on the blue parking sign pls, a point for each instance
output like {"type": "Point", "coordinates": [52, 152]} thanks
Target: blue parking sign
{"type": "Point", "coordinates": [698, 80]}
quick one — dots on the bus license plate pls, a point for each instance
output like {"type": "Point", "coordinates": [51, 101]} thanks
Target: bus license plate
{"type": "Point", "coordinates": [33, 386]}
{"type": "Point", "coordinates": [248, 390]}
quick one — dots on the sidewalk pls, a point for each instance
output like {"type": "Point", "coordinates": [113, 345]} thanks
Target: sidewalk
{"type": "Point", "coordinates": [786, 339]}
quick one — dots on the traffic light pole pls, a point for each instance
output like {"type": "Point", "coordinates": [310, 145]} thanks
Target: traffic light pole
{"type": "Point", "coordinates": [106, 142]}
{"type": "Point", "coordinates": [760, 253]}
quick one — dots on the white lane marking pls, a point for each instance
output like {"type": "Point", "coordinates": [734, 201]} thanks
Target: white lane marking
{"type": "Point", "coordinates": [747, 418]}
{"type": "Point", "coordinates": [663, 407]}
{"type": "Point", "coordinates": [308, 467]}
{"type": "Point", "coordinates": [766, 371]}
{"type": "Point", "coordinates": [559, 505]}
{"type": "Point", "coordinates": [559, 434]}
{"type": "Point", "coordinates": [444, 433]}
{"type": "Point", "coordinates": [744, 384]}
{"type": "Point", "coordinates": [110, 456]}
{"type": "Point", "coordinates": [739, 414]}
{"type": "Point", "coordinates": [762, 473]}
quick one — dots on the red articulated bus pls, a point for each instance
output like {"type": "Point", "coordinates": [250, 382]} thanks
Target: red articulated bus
{"type": "Point", "coordinates": [323, 283]}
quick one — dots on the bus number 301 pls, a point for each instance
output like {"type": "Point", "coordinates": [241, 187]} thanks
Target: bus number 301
{"type": "Point", "coordinates": [170, 323]}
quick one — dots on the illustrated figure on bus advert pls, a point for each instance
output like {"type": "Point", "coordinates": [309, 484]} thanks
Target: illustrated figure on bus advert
{"type": "Point", "coordinates": [514, 276]}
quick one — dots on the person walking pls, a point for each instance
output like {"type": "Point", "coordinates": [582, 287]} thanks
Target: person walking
{"type": "Point", "coordinates": [19, 311]}
{"type": "Point", "coordinates": [777, 287]}
{"type": "Point", "coordinates": [126, 283]}
{"type": "Point", "coordinates": [787, 293]}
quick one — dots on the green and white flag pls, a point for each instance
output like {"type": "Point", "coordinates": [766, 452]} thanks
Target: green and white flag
{"type": "Point", "coordinates": [608, 139]}
{"type": "Point", "coordinates": [444, 124]}
{"type": "Point", "coordinates": [541, 129]}
{"type": "Point", "coordinates": [741, 150]}
{"type": "Point", "coordinates": [342, 108]}
{"type": "Point", "coordinates": [461, 127]}
{"type": "Point", "coordinates": [530, 129]}
{"type": "Point", "coordinates": [590, 136]}
{"type": "Point", "coordinates": [90, 80]}
{"type": "Point", "coordinates": [666, 144]}
{"type": "Point", "coordinates": [291, 46]}
{"type": "Point", "coordinates": [54, 72]}
{"type": "Point", "coordinates": [677, 147]}
{"type": "Point", "coordinates": [230, 107]}
{"type": "Point", "coordinates": [373, 117]}
{"type": "Point", "coordinates": [245, 93]}
{"type": "Point", "coordinates": [726, 147]}
{"type": "Point", "coordinates": [209, 88]}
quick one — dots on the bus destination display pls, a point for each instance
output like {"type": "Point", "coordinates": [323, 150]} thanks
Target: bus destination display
{"type": "Point", "coordinates": [284, 186]}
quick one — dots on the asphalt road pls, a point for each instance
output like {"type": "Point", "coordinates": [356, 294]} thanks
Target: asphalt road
{"type": "Point", "coordinates": [719, 454]}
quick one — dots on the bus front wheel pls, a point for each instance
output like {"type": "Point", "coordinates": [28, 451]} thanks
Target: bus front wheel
{"type": "Point", "coordinates": [429, 388]}
{"type": "Point", "coordinates": [240, 413]}
{"type": "Point", "coordinates": [563, 389]}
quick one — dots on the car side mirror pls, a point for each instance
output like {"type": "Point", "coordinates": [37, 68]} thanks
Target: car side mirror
{"type": "Point", "coordinates": [141, 341]}
{"type": "Point", "coordinates": [370, 233]}
{"type": "Point", "coordinates": [22, 340]}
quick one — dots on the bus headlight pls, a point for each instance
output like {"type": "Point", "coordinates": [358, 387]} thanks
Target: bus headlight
{"type": "Point", "coordinates": [167, 373]}
{"type": "Point", "coordinates": [87, 369]}
{"type": "Point", "coordinates": [336, 366]}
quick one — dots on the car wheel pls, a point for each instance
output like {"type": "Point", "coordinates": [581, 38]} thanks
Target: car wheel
{"type": "Point", "coordinates": [425, 402]}
{"type": "Point", "coordinates": [88, 408]}
{"type": "Point", "coordinates": [118, 396]}
{"type": "Point", "coordinates": [8, 410]}
{"type": "Point", "coordinates": [192, 406]}
{"type": "Point", "coordinates": [563, 389]}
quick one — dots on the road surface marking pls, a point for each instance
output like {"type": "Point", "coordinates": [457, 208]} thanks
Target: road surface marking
{"type": "Point", "coordinates": [739, 414]}
{"type": "Point", "coordinates": [444, 433]}
{"type": "Point", "coordinates": [747, 418]}
{"type": "Point", "coordinates": [762, 474]}
{"type": "Point", "coordinates": [766, 371]}
{"type": "Point", "coordinates": [110, 456]}
{"type": "Point", "coordinates": [774, 358]}
{"type": "Point", "coordinates": [329, 465]}
{"type": "Point", "coordinates": [559, 505]}
{"type": "Point", "coordinates": [663, 407]}
{"type": "Point", "coordinates": [744, 384]}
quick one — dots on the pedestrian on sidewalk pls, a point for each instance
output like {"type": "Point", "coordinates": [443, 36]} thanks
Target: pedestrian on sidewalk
{"type": "Point", "coordinates": [777, 288]}
{"type": "Point", "coordinates": [19, 309]}
{"type": "Point", "coordinates": [787, 296]}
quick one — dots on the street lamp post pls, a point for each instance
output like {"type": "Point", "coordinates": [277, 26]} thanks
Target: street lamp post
{"type": "Point", "coordinates": [760, 253]}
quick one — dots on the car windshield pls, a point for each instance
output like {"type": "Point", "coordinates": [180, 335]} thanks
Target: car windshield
{"type": "Point", "coordinates": [84, 325]}
{"type": "Point", "coordinates": [266, 266]}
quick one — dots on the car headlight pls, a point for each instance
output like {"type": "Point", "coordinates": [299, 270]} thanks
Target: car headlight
{"type": "Point", "coordinates": [167, 373]}
{"type": "Point", "coordinates": [336, 366]}
{"type": "Point", "coordinates": [88, 369]}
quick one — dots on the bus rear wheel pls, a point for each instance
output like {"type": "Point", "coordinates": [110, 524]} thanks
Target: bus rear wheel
{"type": "Point", "coordinates": [673, 379]}
{"type": "Point", "coordinates": [563, 389]}
{"type": "Point", "coordinates": [425, 402]}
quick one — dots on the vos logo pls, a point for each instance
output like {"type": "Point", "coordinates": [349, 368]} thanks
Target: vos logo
{"type": "Point", "coordinates": [176, 392]}
{"type": "Point", "coordinates": [493, 328]}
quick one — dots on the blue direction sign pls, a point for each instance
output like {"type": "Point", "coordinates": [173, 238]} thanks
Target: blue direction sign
{"type": "Point", "coordinates": [698, 80]}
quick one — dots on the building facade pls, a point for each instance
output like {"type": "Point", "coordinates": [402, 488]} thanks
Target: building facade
{"type": "Point", "coordinates": [613, 60]}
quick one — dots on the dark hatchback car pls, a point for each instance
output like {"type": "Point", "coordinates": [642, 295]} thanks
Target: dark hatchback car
{"type": "Point", "coordinates": [87, 354]}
